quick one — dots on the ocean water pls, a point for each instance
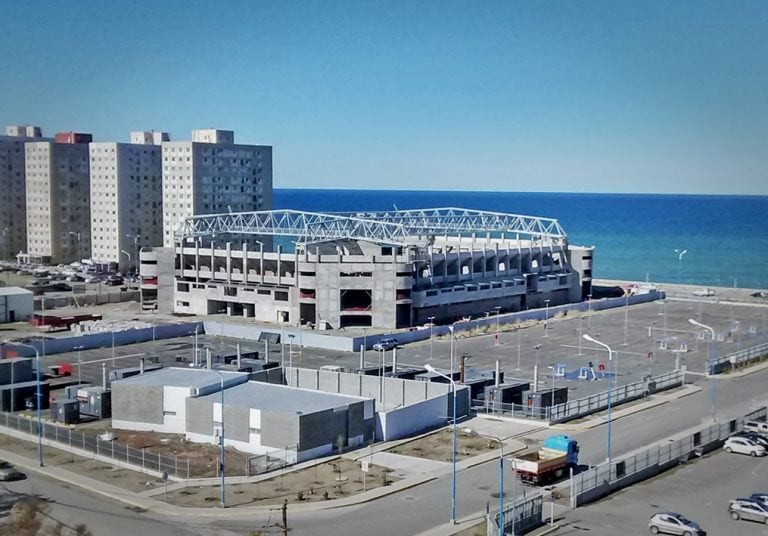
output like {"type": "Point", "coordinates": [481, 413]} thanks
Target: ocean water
{"type": "Point", "coordinates": [636, 235]}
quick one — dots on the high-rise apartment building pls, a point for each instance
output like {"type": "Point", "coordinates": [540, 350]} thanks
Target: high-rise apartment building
{"type": "Point", "coordinates": [13, 184]}
{"type": "Point", "coordinates": [211, 174]}
{"type": "Point", "coordinates": [126, 198]}
{"type": "Point", "coordinates": [58, 199]}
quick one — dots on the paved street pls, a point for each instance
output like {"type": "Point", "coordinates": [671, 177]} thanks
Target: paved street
{"type": "Point", "coordinates": [428, 505]}
{"type": "Point", "coordinates": [687, 489]}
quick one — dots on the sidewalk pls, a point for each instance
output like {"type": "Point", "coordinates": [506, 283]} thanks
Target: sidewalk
{"type": "Point", "coordinates": [414, 471]}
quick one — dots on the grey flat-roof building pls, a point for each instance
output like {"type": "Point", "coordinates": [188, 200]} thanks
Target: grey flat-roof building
{"type": "Point", "coordinates": [155, 401]}
{"type": "Point", "coordinates": [285, 422]}
{"type": "Point", "coordinates": [16, 304]}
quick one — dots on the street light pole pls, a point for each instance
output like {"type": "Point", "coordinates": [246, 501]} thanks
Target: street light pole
{"type": "Point", "coordinates": [431, 369]}
{"type": "Point", "coordinates": [546, 317]}
{"type": "Point", "coordinates": [39, 400]}
{"type": "Point", "coordinates": [431, 325]}
{"type": "Point", "coordinates": [501, 475]}
{"type": "Point", "coordinates": [610, 387]}
{"type": "Point", "coordinates": [450, 329]}
{"type": "Point", "coordinates": [221, 439]}
{"type": "Point", "coordinates": [711, 373]}
{"type": "Point", "coordinates": [680, 254]}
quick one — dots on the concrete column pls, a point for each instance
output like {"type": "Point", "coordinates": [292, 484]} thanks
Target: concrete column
{"type": "Point", "coordinates": [229, 263]}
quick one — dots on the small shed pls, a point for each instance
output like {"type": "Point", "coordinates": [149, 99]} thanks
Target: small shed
{"type": "Point", "coordinates": [16, 304]}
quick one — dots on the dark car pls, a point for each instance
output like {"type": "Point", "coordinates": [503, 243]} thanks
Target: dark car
{"type": "Point", "coordinates": [114, 281]}
{"type": "Point", "coordinates": [755, 438]}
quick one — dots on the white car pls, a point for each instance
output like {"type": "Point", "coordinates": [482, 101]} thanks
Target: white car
{"type": "Point", "coordinates": [385, 344]}
{"type": "Point", "coordinates": [742, 445]}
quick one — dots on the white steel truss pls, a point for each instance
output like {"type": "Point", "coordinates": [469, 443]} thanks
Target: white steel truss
{"type": "Point", "coordinates": [397, 227]}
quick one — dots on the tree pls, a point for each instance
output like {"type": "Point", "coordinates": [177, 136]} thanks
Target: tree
{"type": "Point", "coordinates": [27, 518]}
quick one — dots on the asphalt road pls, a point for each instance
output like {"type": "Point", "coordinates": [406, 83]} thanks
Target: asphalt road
{"type": "Point", "coordinates": [687, 489]}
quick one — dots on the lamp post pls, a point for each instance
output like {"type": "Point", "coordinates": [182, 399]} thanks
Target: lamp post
{"type": "Point", "coordinates": [129, 258]}
{"type": "Point", "coordinates": [450, 329]}
{"type": "Point", "coordinates": [680, 254]}
{"type": "Point", "coordinates": [546, 317]}
{"type": "Point", "coordinates": [431, 325]}
{"type": "Point", "coordinates": [290, 351]}
{"type": "Point", "coordinates": [518, 348]}
{"type": "Point", "coordinates": [431, 369]}
{"type": "Point", "coordinates": [498, 325]}
{"type": "Point", "coordinates": [364, 348]}
{"type": "Point", "coordinates": [79, 253]}
{"type": "Point", "coordinates": [626, 316]}
{"type": "Point", "coordinates": [39, 398]}
{"type": "Point", "coordinates": [589, 310]}
{"type": "Point", "coordinates": [79, 363]}
{"type": "Point", "coordinates": [221, 438]}
{"type": "Point", "coordinates": [610, 387]}
{"type": "Point", "coordinates": [711, 372]}
{"type": "Point", "coordinates": [501, 476]}
{"type": "Point", "coordinates": [135, 250]}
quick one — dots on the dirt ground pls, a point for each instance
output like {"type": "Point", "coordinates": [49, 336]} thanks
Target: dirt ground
{"type": "Point", "coordinates": [203, 458]}
{"type": "Point", "coordinates": [438, 446]}
{"type": "Point", "coordinates": [331, 480]}
{"type": "Point", "coordinates": [124, 478]}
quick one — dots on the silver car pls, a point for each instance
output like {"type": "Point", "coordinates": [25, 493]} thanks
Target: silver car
{"type": "Point", "coordinates": [748, 509]}
{"type": "Point", "coordinates": [672, 523]}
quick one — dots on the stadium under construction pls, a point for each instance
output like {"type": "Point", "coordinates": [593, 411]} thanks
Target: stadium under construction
{"type": "Point", "coordinates": [384, 270]}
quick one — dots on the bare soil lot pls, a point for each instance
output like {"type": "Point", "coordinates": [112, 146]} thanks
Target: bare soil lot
{"type": "Point", "coordinates": [438, 446]}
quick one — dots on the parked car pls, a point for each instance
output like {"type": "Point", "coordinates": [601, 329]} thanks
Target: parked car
{"type": "Point", "coordinates": [75, 278]}
{"type": "Point", "coordinates": [385, 344]}
{"type": "Point", "coordinates": [761, 498]}
{"type": "Point", "coordinates": [743, 445]}
{"type": "Point", "coordinates": [758, 427]}
{"type": "Point", "coordinates": [93, 279]}
{"type": "Point", "coordinates": [8, 473]}
{"type": "Point", "coordinates": [114, 281]}
{"type": "Point", "coordinates": [748, 509]}
{"type": "Point", "coordinates": [755, 438]}
{"type": "Point", "coordinates": [672, 523]}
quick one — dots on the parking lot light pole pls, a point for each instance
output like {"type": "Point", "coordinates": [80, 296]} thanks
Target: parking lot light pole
{"type": "Point", "coordinates": [610, 387]}
{"type": "Point", "coordinates": [39, 400]}
{"type": "Point", "coordinates": [431, 369]}
{"type": "Point", "coordinates": [546, 317]}
{"type": "Point", "coordinates": [711, 371]}
{"type": "Point", "coordinates": [221, 438]}
{"type": "Point", "coordinates": [431, 325]}
{"type": "Point", "coordinates": [472, 432]}
{"type": "Point", "coordinates": [450, 329]}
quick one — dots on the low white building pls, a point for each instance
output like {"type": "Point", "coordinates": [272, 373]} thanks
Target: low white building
{"type": "Point", "coordinates": [15, 304]}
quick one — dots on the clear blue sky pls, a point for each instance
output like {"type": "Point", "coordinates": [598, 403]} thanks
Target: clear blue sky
{"type": "Point", "coordinates": [613, 96]}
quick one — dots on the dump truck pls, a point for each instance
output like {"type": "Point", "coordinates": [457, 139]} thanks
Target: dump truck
{"type": "Point", "coordinates": [549, 463]}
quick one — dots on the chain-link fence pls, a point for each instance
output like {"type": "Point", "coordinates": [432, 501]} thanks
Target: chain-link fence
{"type": "Point", "coordinates": [140, 458]}
{"type": "Point", "coordinates": [586, 405]}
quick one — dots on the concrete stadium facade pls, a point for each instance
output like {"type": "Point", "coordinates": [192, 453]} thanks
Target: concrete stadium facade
{"type": "Point", "coordinates": [386, 270]}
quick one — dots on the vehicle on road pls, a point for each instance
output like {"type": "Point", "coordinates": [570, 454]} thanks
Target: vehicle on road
{"type": "Point", "coordinates": [742, 445]}
{"type": "Point", "coordinates": [757, 427]}
{"type": "Point", "coordinates": [755, 438]}
{"type": "Point", "coordinates": [549, 463]}
{"type": "Point", "coordinates": [9, 474]}
{"type": "Point", "coordinates": [748, 509]}
{"type": "Point", "coordinates": [672, 523]}
{"type": "Point", "coordinates": [385, 344]}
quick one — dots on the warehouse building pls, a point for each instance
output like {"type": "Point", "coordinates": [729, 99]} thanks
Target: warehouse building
{"type": "Point", "coordinates": [386, 269]}
{"type": "Point", "coordinates": [284, 422]}
{"type": "Point", "coordinates": [16, 304]}
{"type": "Point", "coordinates": [156, 401]}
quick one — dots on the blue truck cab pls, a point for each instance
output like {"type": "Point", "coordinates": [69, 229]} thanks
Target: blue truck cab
{"type": "Point", "coordinates": [565, 444]}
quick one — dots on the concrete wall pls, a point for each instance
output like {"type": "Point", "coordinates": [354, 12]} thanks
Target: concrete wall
{"type": "Point", "coordinates": [16, 307]}
{"type": "Point", "coordinates": [134, 403]}
{"type": "Point", "coordinates": [412, 419]}
{"type": "Point", "coordinates": [303, 337]}
{"type": "Point", "coordinates": [279, 430]}
{"type": "Point", "coordinates": [104, 340]}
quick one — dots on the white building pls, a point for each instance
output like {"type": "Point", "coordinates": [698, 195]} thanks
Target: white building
{"type": "Point", "coordinates": [212, 174]}
{"type": "Point", "coordinates": [126, 198]}
{"type": "Point", "coordinates": [15, 304]}
{"type": "Point", "coordinates": [58, 199]}
{"type": "Point", "coordinates": [13, 184]}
